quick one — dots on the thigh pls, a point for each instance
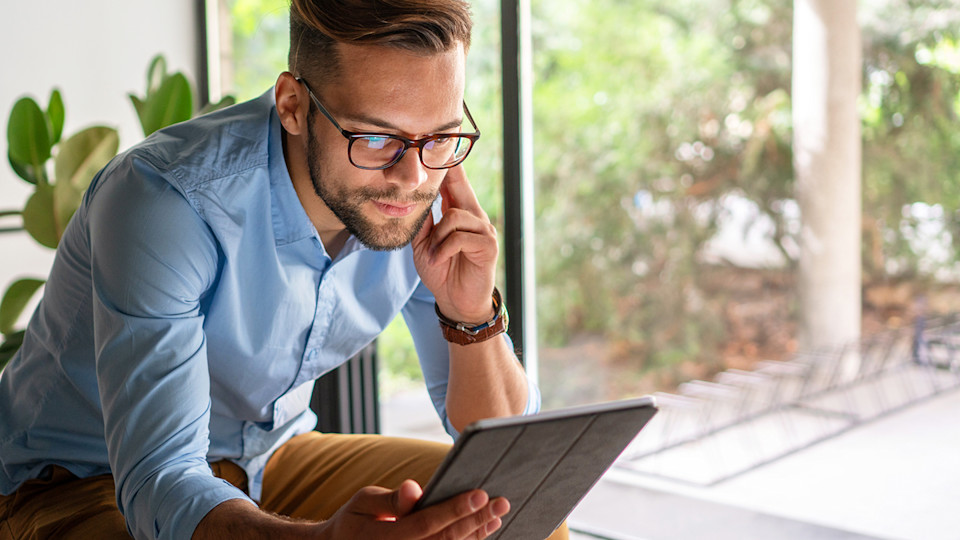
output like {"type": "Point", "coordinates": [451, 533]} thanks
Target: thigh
{"type": "Point", "coordinates": [62, 506]}
{"type": "Point", "coordinates": [314, 474]}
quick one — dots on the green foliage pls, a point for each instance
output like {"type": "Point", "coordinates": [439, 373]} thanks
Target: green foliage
{"type": "Point", "coordinates": [642, 129]}
{"type": "Point", "coordinates": [31, 135]}
{"type": "Point", "coordinates": [34, 138]}
{"type": "Point", "coordinates": [397, 358]}
{"type": "Point", "coordinates": [911, 153]}
{"type": "Point", "coordinates": [15, 300]}
{"type": "Point", "coordinates": [169, 99]}
{"type": "Point", "coordinates": [260, 42]}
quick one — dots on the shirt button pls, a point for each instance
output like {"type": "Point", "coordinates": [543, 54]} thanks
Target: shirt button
{"type": "Point", "coordinates": [312, 355]}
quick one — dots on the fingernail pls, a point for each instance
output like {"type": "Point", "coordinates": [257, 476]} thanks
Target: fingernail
{"type": "Point", "coordinates": [493, 525]}
{"type": "Point", "coordinates": [477, 500]}
{"type": "Point", "coordinates": [500, 507]}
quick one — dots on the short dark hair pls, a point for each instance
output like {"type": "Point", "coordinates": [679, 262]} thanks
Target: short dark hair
{"type": "Point", "coordinates": [418, 26]}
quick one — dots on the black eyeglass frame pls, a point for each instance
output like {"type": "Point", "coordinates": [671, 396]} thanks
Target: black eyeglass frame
{"type": "Point", "coordinates": [353, 136]}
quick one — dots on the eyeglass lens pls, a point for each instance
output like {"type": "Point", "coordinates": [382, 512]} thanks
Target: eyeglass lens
{"type": "Point", "coordinates": [377, 151]}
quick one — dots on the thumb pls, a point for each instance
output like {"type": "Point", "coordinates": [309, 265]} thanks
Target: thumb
{"type": "Point", "coordinates": [405, 497]}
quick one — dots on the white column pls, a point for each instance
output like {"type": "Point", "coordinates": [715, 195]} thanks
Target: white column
{"type": "Point", "coordinates": [827, 61]}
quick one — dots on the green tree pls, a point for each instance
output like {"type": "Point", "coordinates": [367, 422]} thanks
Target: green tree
{"type": "Point", "coordinates": [643, 128]}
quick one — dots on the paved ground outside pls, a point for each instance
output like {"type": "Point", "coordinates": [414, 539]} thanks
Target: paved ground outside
{"type": "Point", "coordinates": [897, 477]}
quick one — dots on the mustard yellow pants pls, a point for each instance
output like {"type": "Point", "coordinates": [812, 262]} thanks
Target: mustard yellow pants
{"type": "Point", "coordinates": [309, 477]}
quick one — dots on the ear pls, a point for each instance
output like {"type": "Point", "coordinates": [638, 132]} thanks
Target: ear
{"type": "Point", "coordinates": [293, 103]}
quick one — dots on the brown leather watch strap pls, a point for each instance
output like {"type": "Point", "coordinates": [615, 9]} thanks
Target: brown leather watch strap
{"type": "Point", "coordinates": [463, 334]}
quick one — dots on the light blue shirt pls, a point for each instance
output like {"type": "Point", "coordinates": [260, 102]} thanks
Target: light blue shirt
{"type": "Point", "coordinates": [190, 307]}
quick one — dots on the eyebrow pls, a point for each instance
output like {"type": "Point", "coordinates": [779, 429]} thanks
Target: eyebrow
{"type": "Point", "coordinates": [380, 123]}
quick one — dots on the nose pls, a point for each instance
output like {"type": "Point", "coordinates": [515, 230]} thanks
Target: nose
{"type": "Point", "coordinates": [408, 173]}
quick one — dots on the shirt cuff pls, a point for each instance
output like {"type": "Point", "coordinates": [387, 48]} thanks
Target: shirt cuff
{"type": "Point", "coordinates": [533, 397]}
{"type": "Point", "coordinates": [187, 503]}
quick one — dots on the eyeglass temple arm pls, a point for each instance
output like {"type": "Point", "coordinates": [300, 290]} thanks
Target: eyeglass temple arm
{"type": "Point", "coordinates": [323, 109]}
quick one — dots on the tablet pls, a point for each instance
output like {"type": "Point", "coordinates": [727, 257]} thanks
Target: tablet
{"type": "Point", "coordinates": [544, 464]}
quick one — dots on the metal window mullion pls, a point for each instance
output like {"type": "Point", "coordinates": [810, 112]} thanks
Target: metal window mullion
{"type": "Point", "coordinates": [518, 187]}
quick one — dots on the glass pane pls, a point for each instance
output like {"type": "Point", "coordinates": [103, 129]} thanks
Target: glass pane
{"type": "Point", "coordinates": [254, 44]}
{"type": "Point", "coordinates": [645, 194]}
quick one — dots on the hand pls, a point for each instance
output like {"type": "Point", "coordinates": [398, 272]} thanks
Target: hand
{"type": "Point", "coordinates": [457, 257]}
{"type": "Point", "coordinates": [376, 512]}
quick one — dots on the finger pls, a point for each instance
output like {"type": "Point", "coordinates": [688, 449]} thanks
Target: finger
{"type": "Point", "coordinates": [448, 517]}
{"type": "Point", "coordinates": [406, 497]}
{"type": "Point", "coordinates": [479, 524]}
{"type": "Point", "coordinates": [374, 501]}
{"type": "Point", "coordinates": [460, 220]}
{"type": "Point", "coordinates": [477, 248]}
{"type": "Point", "coordinates": [457, 191]}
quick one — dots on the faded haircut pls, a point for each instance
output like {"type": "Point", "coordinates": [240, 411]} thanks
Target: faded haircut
{"type": "Point", "coordinates": [417, 26]}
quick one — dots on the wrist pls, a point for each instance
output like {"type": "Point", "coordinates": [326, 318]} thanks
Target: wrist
{"type": "Point", "coordinates": [466, 333]}
{"type": "Point", "coordinates": [239, 519]}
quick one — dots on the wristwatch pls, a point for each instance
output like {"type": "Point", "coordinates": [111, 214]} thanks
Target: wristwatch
{"type": "Point", "coordinates": [463, 334]}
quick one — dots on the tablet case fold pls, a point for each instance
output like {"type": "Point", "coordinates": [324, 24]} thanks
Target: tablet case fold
{"type": "Point", "coordinates": [543, 464]}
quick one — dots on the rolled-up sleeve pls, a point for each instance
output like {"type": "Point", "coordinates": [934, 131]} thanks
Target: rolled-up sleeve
{"type": "Point", "coordinates": [152, 259]}
{"type": "Point", "coordinates": [434, 354]}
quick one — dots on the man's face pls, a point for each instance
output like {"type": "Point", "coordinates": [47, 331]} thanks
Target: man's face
{"type": "Point", "coordinates": [383, 90]}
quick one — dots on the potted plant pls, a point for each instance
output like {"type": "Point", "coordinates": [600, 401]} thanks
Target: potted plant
{"type": "Point", "coordinates": [61, 169]}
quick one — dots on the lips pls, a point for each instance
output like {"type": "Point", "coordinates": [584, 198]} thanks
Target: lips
{"type": "Point", "coordinates": [396, 210]}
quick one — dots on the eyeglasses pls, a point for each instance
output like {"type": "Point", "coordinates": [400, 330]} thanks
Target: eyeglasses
{"type": "Point", "coordinates": [377, 151]}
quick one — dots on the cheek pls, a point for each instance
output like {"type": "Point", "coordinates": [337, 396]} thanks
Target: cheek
{"type": "Point", "coordinates": [435, 179]}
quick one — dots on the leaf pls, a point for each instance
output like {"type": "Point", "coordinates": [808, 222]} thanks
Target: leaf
{"type": "Point", "coordinates": [23, 170]}
{"type": "Point", "coordinates": [156, 74]}
{"type": "Point", "coordinates": [171, 103]}
{"type": "Point", "coordinates": [11, 344]}
{"type": "Point", "coordinates": [15, 299]}
{"type": "Point", "coordinates": [56, 114]}
{"type": "Point", "coordinates": [28, 138]}
{"type": "Point", "coordinates": [78, 160]}
{"type": "Point", "coordinates": [222, 104]}
{"type": "Point", "coordinates": [82, 155]}
{"type": "Point", "coordinates": [38, 217]}
{"type": "Point", "coordinates": [139, 106]}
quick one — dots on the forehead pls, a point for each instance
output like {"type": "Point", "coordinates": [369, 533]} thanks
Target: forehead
{"type": "Point", "coordinates": [416, 91]}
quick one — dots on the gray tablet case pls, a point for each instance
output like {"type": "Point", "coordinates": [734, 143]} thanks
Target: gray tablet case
{"type": "Point", "coordinates": [544, 464]}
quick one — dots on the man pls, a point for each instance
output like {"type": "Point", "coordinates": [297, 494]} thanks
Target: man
{"type": "Point", "coordinates": [215, 270]}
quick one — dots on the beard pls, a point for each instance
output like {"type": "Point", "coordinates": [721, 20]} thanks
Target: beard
{"type": "Point", "coordinates": [347, 205]}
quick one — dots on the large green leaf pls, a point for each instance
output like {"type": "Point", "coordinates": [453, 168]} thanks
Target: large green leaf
{"type": "Point", "coordinates": [56, 114]}
{"type": "Point", "coordinates": [223, 103]}
{"type": "Point", "coordinates": [16, 298]}
{"type": "Point", "coordinates": [82, 155]}
{"type": "Point", "coordinates": [156, 74]}
{"type": "Point", "coordinates": [28, 137]}
{"type": "Point", "coordinates": [24, 170]}
{"type": "Point", "coordinates": [139, 106]}
{"type": "Point", "coordinates": [171, 103]}
{"type": "Point", "coordinates": [38, 216]}
{"type": "Point", "coordinates": [80, 158]}
{"type": "Point", "coordinates": [11, 343]}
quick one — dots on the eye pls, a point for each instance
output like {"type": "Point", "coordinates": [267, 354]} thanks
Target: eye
{"type": "Point", "coordinates": [439, 143]}
{"type": "Point", "coordinates": [376, 143]}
